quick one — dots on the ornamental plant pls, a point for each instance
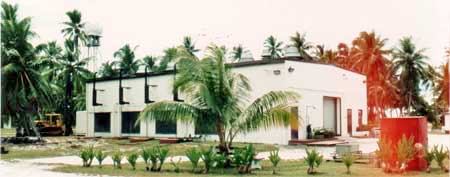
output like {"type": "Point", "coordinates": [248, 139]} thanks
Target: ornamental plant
{"type": "Point", "coordinates": [313, 159]}
{"type": "Point", "coordinates": [243, 158]}
{"type": "Point", "coordinates": [132, 160]}
{"type": "Point", "coordinates": [162, 156]}
{"type": "Point", "coordinates": [100, 156]}
{"type": "Point", "coordinates": [429, 157]}
{"type": "Point", "coordinates": [348, 160]}
{"type": "Point", "coordinates": [117, 158]}
{"type": "Point", "coordinates": [274, 159]}
{"type": "Point", "coordinates": [405, 152]}
{"type": "Point", "coordinates": [384, 153]}
{"type": "Point", "coordinates": [145, 154]}
{"type": "Point", "coordinates": [208, 158]}
{"type": "Point", "coordinates": [194, 156]}
{"type": "Point", "coordinates": [87, 155]}
{"type": "Point", "coordinates": [440, 154]}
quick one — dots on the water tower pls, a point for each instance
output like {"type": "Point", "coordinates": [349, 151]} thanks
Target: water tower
{"type": "Point", "coordinates": [93, 34]}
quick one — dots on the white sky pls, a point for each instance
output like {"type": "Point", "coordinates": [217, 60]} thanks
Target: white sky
{"type": "Point", "coordinates": [157, 24]}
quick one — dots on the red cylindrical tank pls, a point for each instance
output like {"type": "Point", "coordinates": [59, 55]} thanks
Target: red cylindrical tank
{"type": "Point", "coordinates": [394, 128]}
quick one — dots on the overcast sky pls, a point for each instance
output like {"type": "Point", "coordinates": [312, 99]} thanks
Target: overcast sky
{"type": "Point", "coordinates": [156, 25]}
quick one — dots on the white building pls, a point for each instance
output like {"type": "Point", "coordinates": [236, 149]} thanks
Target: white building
{"type": "Point", "coordinates": [332, 98]}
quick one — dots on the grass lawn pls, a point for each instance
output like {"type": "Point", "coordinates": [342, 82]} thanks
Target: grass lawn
{"type": "Point", "coordinates": [286, 168]}
{"type": "Point", "coordinates": [6, 132]}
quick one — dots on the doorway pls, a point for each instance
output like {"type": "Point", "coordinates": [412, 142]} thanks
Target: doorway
{"type": "Point", "coordinates": [294, 123]}
{"type": "Point", "coordinates": [330, 113]}
{"type": "Point", "coordinates": [349, 122]}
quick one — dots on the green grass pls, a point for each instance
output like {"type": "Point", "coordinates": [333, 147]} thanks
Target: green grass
{"type": "Point", "coordinates": [6, 132]}
{"type": "Point", "coordinates": [285, 168]}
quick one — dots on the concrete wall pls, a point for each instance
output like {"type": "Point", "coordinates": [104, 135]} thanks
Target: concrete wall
{"type": "Point", "coordinates": [312, 81]}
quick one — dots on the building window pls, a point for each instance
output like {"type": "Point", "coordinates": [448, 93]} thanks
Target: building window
{"type": "Point", "coordinates": [360, 117]}
{"type": "Point", "coordinates": [102, 122]}
{"type": "Point", "coordinates": [166, 127]}
{"type": "Point", "coordinates": [129, 120]}
{"type": "Point", "coordinates": [205, 127]}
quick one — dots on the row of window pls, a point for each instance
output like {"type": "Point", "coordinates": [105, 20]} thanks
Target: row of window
{"type": "Point", "coordinates": [102, 124]}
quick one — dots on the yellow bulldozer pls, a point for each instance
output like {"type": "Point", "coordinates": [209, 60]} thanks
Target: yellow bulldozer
{"type": "Point", "coordinates": [50, 125]}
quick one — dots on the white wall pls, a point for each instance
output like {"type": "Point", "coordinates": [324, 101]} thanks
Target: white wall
{"type": "Point", "coordinates": [311, 81]}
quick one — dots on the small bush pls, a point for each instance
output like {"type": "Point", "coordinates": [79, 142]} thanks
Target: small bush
{"type": "Point", "coordinates": [429, 157]}
{"type": "Point", "coordinates": [348, 160]}
{"type": "Point", "coordinates": [405, 151]}
{"type": "Point", "coordinates": [313, 158]}
{"type": "Point", "coordinates": [384, 153]}
{"type": "Point", "coordinates": [207, 157]}
{"type": "Point", "coordinates": [243, 158]}
{"type": "Point", "coordinates": [162, 156]}
{"type": "Point", "coordinates": [117, 158]}
{"type": "Point", "coordinates": [440, 154]}
{"type": "Point", "coordinates": [194, 156]}
{"type": "Point", "coordinates": [175, 165]}
{"type": "Point", "coordinates": [274, 159]}
{"type": "Point", "coordinates": [132, 160]}
{"type": "Point", "coordinates": [87, 155]}
{"type": "Point", "coordinates": [100, 156]}
{"type": "Point", "coordinates": [145, 154]}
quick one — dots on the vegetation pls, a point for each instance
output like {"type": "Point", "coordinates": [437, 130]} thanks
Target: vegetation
{"type": "Point", "coordinates": [275, 159]}
{"type": "Point", "coordinates": [348, 161]}
{"type": "Point", "coordinates": [145, 154]}
{"type": "Point", "coordinates": [440, 154]}
{"type": "Point", "coordinates": [100, 156]}
{"type": "Point", "coordinates": [117, 159]}
{"type": "Point", "coordinates": [405, 151]}
{"type": "Point", "coordinates": [208, 158]}
{"type": "Point", "coordinates": [303, 47]}
{"type": "Point", "coordinates": [274, 47]}
{"type": "Point", "coordinates": [87, 155]}
{"type": "Point", "coordinates": [313, 159]}
{"type": "Point", "coordinates": [194, 156]}
{"type": "Point", "coordinates": [132, 160]}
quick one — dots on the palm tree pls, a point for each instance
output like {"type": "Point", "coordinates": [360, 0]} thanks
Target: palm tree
{"type": "Point", "coordinates": [24, 90]}
{"type": "Point", "coordinates": [150, 62]}
{"type": "Point", "coordinates": [237, 53]}
{"type": "Point", "coordinates": [218, 95]}
{"type": "Point", "coordinates": [107, 69]}
{"type": "Point", "coordinates": [274, 47]}
{"type": "Point", "coordinates": [299, 41]}
{"type": "Point", "coordinates": [74, 27]}
{"type": "Point", "coordinates": [410, 64]}
{"type": "Point", "coordinates": [48, 53]}
{"type": "Point", "coordinates": [127, 62]}
{"type": "Point", "coordinates": [441, 91]}
{"type": "Point", "coordinates": [170, 55]}
{"type": "Point", "coordinates": [189, 45]}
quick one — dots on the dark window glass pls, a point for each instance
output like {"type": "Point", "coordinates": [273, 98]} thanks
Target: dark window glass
{"type": "Point", "coordinates": [166, 127]}
{"type": "Point", "coordinates": [129, 120]}
{"type": "Point", "coordinates": [102, 122]}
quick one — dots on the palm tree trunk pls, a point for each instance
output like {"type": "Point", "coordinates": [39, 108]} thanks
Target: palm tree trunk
{"type": "Point", "coordinates": [221, 133]}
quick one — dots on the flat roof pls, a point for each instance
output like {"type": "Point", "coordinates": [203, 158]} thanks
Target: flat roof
{"type": "Point", "coordinates": [233, 65]}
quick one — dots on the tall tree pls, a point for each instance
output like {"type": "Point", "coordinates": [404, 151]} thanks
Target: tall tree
{"type": "Point", "coordinates": [189, 45]}
{"type": "Point", "coordinates": [127, 63]}
{"type": "Point", "coordinates": [218, 95]}
{"type": "Point", "coordinates": [150, 62]}
{"type": "Point", "coordinates": [274, 47]}
{"type": "Point", "coordinates": [237, 53]}
{"type": "Point", "coordinates": [74, 28]}
{"type": "Point", "coordinates": [303, 46]}
{"type": "Point", "coordinates": [413, 70]}
{"type": "Point", "coordinates": [170, 55]}
{"type": "Point", "coordinates": [107, 69]}
{"type": "Point", "coordinates": [24, 90]}
{"type": "Point", "coordinates": [441, 90]}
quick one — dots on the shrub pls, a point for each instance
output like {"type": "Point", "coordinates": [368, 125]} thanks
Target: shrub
{"type": "Point", "coordinates": [313, 158]}
{"type": "Point", "coordinates": [384, 152]}
{"type": "Point", "coordinates": [87, 155]}
{"type": "Point", "coordinates": [429, 157]}
{"type": "Point", "coordinates": [348, 160]}
{"type": "Point", "coordinates": [194, 156]}
{"type": "Point", "coordinates": [132, 160]}
{"type": "Point", "coordinates": [175, 165]}
{"type": "Point", "coordinates": [440, 154]}
{"type": "Point", "coordinates": [145, 154]}
{"type": "Point", "coordinates": [117, 158]}
{"type": "Point", "coordinates": [274, 159]}
{"type": "Point", "coordinates": [162, 156]}
{"type": "Point", "coordinates": [243, 158]}
{"type": "Point", "coordinates": [405, 151]}
{"type": "Point", "coordinates": [154, 158]}
{"type": "Point", "coordinates": [100, 156]}
{"type": "Point", "coordinates": [207, 157]}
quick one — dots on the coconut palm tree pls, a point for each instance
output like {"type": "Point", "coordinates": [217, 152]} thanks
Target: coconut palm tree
{"type": "Point", "coordinates": [237, 53]}
{"type": "Point", "coordinates": [24, 90]}
{"type": "Point", "coordinates": [299, 41]}
{"type": "Point", "coordinates": [108, 69]}
{"type": "Point", "coordinates": [441, 90]}
{"type": "Point", "coordinates": [170, 55]}
{"type": "Point", "coordinates": [74, 28]}
{"type": "Point", "coordinates": [150, 62]}
{"type": "Point", "coordinates": [218, 95]}
{"type": "Point", "coordinates": [189, 45]}
{"type": "Point", "coordinates": [274, 47]}
{"type": "Point", "coordinates": [127, 62]}
{"type": "Point", "coordinates": [413, 70]}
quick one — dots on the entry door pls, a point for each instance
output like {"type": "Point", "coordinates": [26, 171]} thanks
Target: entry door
{"type": "Point", "coordinates": [329, 113]}
{"type": "Point", "coordinates": [349, 121]}
{"type": "Point", "coordinates": [294, 123]}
